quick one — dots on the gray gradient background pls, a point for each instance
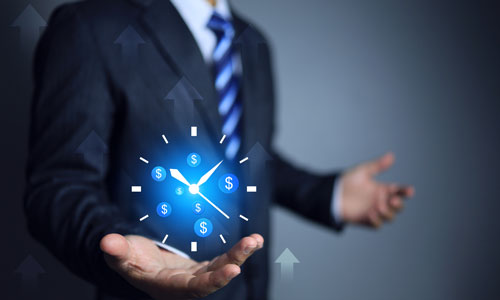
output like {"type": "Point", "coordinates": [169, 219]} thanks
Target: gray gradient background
{"type": "Point", "coordinates": [354, 79]}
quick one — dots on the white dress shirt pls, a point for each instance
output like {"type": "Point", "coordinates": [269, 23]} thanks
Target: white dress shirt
{"type": "Point", "coordinates": [196, 14]}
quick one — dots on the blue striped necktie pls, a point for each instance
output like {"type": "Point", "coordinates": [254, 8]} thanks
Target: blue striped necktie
{"type": "Point", "coordinates": [227, 82]}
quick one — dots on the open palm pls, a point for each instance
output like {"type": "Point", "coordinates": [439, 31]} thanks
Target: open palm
{"type": "Point", "coordinates": [370, 202]}
{"type": "Point", "coordinates": [165, 275]}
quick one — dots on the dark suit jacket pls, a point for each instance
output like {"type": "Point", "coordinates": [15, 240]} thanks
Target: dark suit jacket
{"type": "Point", "coordinates": [99, 103]}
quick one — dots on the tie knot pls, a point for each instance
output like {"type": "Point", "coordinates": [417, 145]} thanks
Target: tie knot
{"type": "Point", "coordinates": [220, 26]}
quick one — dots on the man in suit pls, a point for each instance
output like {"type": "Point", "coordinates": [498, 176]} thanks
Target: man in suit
{"type": "Point", "coordinates": [80, 207]}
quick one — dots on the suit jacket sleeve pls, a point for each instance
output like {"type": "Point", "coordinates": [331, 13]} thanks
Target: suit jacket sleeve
{"type": "Point", "coordinates": [307, 194]}
{"type": "Point", "coordinates": [66, 201]}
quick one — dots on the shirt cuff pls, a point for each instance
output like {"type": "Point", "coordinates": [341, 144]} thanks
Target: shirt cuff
{"type": "Point", "coordinates": [336, 201]}
{"type": "Point", "coordinates": [171, 249]}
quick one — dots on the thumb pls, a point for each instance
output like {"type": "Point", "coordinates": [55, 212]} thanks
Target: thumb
{"type": "Point", "coordinates": [380, 164]}
{"type": "Point", "coordinates": [116, 249]}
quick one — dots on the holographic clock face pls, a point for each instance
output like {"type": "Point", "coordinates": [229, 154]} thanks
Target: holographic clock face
{"type": "Point", "coordinates": [186, 180]}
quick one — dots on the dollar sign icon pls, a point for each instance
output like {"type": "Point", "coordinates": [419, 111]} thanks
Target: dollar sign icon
{"type": "Point", "coordinates": [158, 173]}
{"type": "Point", "coordinates": [203, 227]}
{"type": "Point", "coordinates": [193, 159]}
{"type": "Point", "coordinates": [179, 191]}
{"type": "Point", "coordinates": [163, 209]}
{"type": "Point", "coordinates": [197, 208]}
{"type": "Point", "coordinates": [228, 183]}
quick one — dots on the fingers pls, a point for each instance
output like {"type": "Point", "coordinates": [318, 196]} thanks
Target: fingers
{"type": "Point", "coordinates": [208, 277]}
{"type": "Point", "coordinates": [374, 219]}
{"type": "Point", "coordinates": [406, 191]}
{"type": "Point", "coordinates": [381, 164]}
{"type": "Point", "coordinates": [239, 253]}
{"type": "Point", "coordinates": [182, 285]}
{"type": "Point", "coordinates": [384, 210]}
{"type": "Point", "coordinates": [388, 203]}
{"type": "Point", "coordinates": [259, 239]}
{"type": "Point", "coordinates": [116, 249]}
{"type": "Point", "coordinates": [199, 268]}
{"type": "Point", "coordinates": [396, 203]}
{"type": "Point", "coordinates": [209, 282]}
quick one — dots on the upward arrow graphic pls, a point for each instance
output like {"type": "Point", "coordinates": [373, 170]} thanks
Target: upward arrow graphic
{"type": "Point", "coordinates": [93, 149]}
{"type": "Point", "coordinates": [29, 22]}
{"type": "Point", "coordinates": [29, 269]}
{"type": "Point", "coordinates": [257, 158]}
{"type": "Point", "coordinates": [129, 40]}
{"type": "Point", "coordinates": [250, 43]}
{"type": "Point", "coordinates": [287, 259]}
{"type": "Point", "coordinates": [183, 96]}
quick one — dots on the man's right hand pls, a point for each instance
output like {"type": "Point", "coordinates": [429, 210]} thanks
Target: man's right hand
{"type": "Point", "coordinates": [164, 275]}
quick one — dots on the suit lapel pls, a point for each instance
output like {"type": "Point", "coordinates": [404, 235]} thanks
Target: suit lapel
{"type": "Point", "coordinates": [178, 47]}
{"type": "Point", "coordinates": [249, 134]}
{"type": "Point", "coordinates": [175, 42]}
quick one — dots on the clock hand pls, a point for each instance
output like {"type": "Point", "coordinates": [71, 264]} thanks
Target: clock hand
{"type": "Point", "coordinates": [193, 188]}
{"type": "Point", "coordinates": [177, 175]}
{"type": "Point", "coordinates": [215, 206]}
{"type": "Point", "coordinates": [205, 177]}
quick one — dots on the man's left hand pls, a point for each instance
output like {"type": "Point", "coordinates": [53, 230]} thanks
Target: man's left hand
{"type": "Point", "coordinates": [369, 202]}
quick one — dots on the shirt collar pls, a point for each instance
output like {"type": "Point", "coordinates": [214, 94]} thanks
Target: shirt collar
{"type": "Point", "coordinates": [197, 13]}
